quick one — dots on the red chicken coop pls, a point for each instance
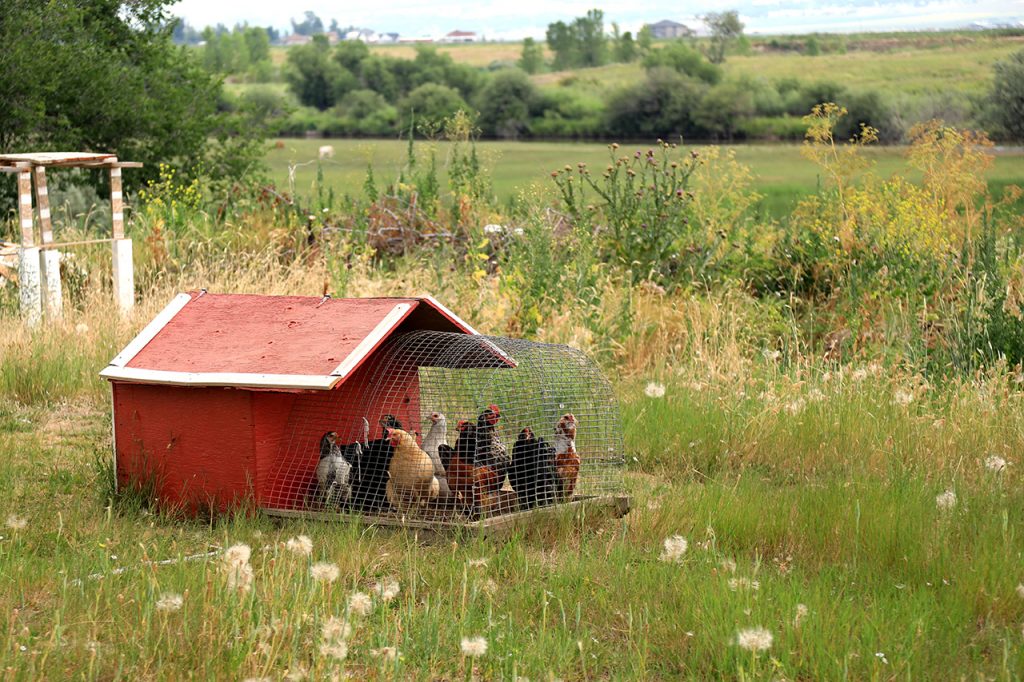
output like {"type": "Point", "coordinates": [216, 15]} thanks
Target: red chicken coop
{"type": "Point", "coordinates": [393, 410]}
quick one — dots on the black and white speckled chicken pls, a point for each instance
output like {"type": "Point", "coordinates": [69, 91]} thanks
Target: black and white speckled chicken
{"type": "Point", "coordinates": [333, 471]}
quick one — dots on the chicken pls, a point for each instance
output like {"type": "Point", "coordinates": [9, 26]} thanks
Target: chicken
{"type": "Point", "coordinates": [333, 470]}
{"type": "Point", "coordinates": [411, 481]}
{"type": "Point", "coordinates": [533, 475]}
{"type": "Point", "coordinates": [436, 436]}
{"type": "Point", "coordinates": [490, 451]}
{"type": "Point", "coordinates": [458, 461]}
{"type": "Point", "coordinates": [567, 461]}
{"type": "Point", "coordinates": [369, 477]}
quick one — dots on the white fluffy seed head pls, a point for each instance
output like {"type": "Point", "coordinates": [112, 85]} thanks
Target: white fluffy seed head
{"type": "Point", "coordinates": [237, 555]}
{"type": "Point", "coordinates": [301, 545]}
{"type": "Point", "coordinates": [169, 602]}
{"type": "Point", "coordinates": [674, 548]}
{"type": "Point", "coordinates": [945, 500]}
{"type": "Point", "coordinates": [655, 390]}
{"type": "Point", "coordinates": [754, 639]}
{"type": "Point", "coordinates": [15, 522]}
{"type": "Point", "coordinates": [360, 604]}
{"type": "Point", "coordinates": [474, 646]}
{"type": "Point", "coordinates": [324, 572]}
{"type": "Point", "coordinates": [995, 463]}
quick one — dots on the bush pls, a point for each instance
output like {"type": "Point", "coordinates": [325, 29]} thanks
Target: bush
{"type": "Point", "coordinates": [316, 79]}
{"type": "Point", "coordinates": [685, 60]}
{"type": "Point", "coordinates": [431, 102]}
{"type": "Point", "coordinates": [1007, 96]}
{"type": "Point", "coordinates": [364, 112]}
{"type": "Point", "coordinates": [722, 109]}
{"type": "Point", "coordinates": [570, 113]}
{"type": "Point", "coordinates": [662, 105]}
{"type": "Point", "coordinates": [507, 103]}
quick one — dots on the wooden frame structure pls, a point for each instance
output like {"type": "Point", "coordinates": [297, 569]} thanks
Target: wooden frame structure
{"type": "Point", "coordinates": [38, 259]}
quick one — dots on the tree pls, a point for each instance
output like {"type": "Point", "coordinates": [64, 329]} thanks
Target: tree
{"type": "Point", "coordinates": [562, 42]}
{"type": "Point", "coordinates": [316, 79]}
{"type": "Point", "coordinates": [532, 59]}
{"type": "Point", "coordinates": [661, 106]}
{"type": "Point", "coordinates": [506, 104]}
{"type": "Point", "coordinates": [626, 49]}
{"type": "Point", "coordinates": [581, 44]}
{"type": "Point", "coordinates": [104, 75]}
{"type": "Point", "coordinates": [310, 25]}
{"type": "Point", "coordinates": [432, 102]}
{"type": "Point", "coordinates": [645, 39]}
{"type": "Point", "coordinates": [726, 28]}
{"type": "Point", "coordinates": [684, 59]}
{"type": "Point", "coordinates": [1007, 96]}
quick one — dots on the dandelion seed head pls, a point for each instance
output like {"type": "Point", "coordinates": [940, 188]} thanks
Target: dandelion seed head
{"type": "Point", "coordinates": [795, 407]}
{"type": "Point", "coordinates": [477, 563]}
{"type": "Point", "coordinates": [338, 650]}
{"type": "Point", "coordinates": [945, 500]}
{"type": "Point", "coordinates": [237, 555]}
{"type": "Point", "coordinates": [902, 397]}
{"type": "Point", "coordinates": [297, 674]}
{"type": "Point", "coordinates": [754, 639]}
{"type": "Point", "coordinates": [995, 463]}
{"type": "Point", "coordinates": [335, 629]}
{"type": "Point", "coordinates": [301, 545]}
{"type": "Point", "coordinates": [387, 590]}
{"type": "Point", "coordinates": [728, 565]}
{"type": "Point", "coordinates": [674, 548]}
{"type": "Point", "coordinates": [655, 390]}
{"type": "Point", "coordinates": [239, 576]}
{"type": "Point", "coordinates": [1020, 591]}
{"type": "Point", "coordinates": [15, 522]}
{"type": "Point", "coordinates": [169, 602]}
{"type": "Point", "coordinates": [859, 374]}
{"type": "Point", "coordinates": [474, 646]}
{"type": "Point", "coordinates": [388, 653]}
{"type": "Point", "coordinates": [324, 572]}
{"type": "Point", "coordinates": [360, 604]}
{"type": "Point", "coordinates": [81, 328]}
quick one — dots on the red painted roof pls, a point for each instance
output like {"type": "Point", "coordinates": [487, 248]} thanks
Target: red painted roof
{"type": "Point", "coordinates": [282, 335]}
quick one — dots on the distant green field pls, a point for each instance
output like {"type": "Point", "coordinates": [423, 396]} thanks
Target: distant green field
{"type": "Point", "coordinates": [780, 173]}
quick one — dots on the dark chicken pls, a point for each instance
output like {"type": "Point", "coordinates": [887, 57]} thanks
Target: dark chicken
{"type": "Point", "coordinates": [370, 472]}
{"type": "Point", "coordinates": [533, 475]}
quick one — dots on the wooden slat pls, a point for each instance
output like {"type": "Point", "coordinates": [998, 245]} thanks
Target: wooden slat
{"type": "Point", "coordinates": [25, 208]}
{"type": "Point", "coordinates": [50, 158]}
{"type": "Point", "coordinates": [43, 206]}
{"type": "Point", "coordinates": [116, 203]}
{"type": "Point", "coordinates": [81, 242]}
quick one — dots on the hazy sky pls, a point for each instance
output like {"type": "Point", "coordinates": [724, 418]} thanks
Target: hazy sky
{"type": "Point", "coordinates": [515, 19]}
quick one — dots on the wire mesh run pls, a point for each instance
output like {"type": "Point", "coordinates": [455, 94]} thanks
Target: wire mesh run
{"type": "Point", "coordinates": [446, 429]}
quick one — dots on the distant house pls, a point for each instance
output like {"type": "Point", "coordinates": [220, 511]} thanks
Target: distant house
{"type": "Point", "coordinates": [296, 39]}
{"type": "Point", "coordinates": [460, 37]}
{"type": "Point", "coordinates": [420, 39]}
{"type": "Point", "coordinates": [665, 29]}
{"type": "Point", "coordinates": [333, 37]}
{"type": "Point", "coordinates": [387, 37]}
{"type": "Point", "coordinates": [366, 35]}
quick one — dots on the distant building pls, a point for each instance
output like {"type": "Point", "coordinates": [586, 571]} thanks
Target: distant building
{"type": "Point", "coordinates": [296, 39]}
{"type": "Point", "coordinates": [366, 35]}
{"type": "Point", "coordinates": [665, 29]}
{"type": "Point", "coordinates": [460, 37]}
{"type": "Point", "coordinates": [387, 37]}
{"type": "Point", "coordinates": [333, 37]}
{"type": "Point", "coordinates": [420, 39]}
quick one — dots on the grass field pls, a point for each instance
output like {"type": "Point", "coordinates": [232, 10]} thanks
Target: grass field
{"type": "Point", "coordinates": [779, 171]}
{"type": "Point", "coordinates": [809, 501]}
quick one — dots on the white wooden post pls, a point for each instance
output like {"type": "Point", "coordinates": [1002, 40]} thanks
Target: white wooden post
{"type": "Point", "coordinates": [124, 270]}
{"type": "Point", "coordinates": [28, 256]}
{"type": "Point", "coordinates": [52, 292]}
{"type": "Point", "coordinates": [124, 275]}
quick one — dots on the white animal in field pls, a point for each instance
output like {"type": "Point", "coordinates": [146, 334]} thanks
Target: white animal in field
{"type": "Point", "coordinates": [333, 470]}
{"type": "Point", "coordinates": [437, 434]}
{"type": "Point", "coordinates": [326, 151]}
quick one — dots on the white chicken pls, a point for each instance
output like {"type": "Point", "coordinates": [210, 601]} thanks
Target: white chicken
{"type": "Point", "coordinates": [437, 435]}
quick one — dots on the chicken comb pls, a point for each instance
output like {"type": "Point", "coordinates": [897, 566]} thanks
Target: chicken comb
{"type": "Point", "coordinates": [494, 408]}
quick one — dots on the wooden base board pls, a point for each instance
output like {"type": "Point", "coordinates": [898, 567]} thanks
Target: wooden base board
{"type": "Point", "coordinates": [581, 507]}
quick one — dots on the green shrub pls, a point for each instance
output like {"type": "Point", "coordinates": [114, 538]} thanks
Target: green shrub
{"type": "Point", "coordinates": [507, 103]}
{"type": "Point", "coordinates": [431, 102]}
{"type": "Point", "coordinates": [662, 105]}
{"type": "Point", "coordinates": [1007, 96]}
{"type": "Point", "coordinates": [684, 59]}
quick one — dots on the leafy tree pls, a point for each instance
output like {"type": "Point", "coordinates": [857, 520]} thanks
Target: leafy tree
{"type": "Point", "coordinates": [626, 49]}
{"type": "Point", "coordinates": [532, 59]}
{"type": "Point", "coordinates": [105, 75]}
{"type": "Point", "coordinates": [581, 44]}
{"type": "Point", "coordinates": [432, 102]}
{"type": "Point", "coordinates": [663, 105]}
{"type": "Point", "coordinates": [310, 25]}
{"type": "Point", "coordinates": [684, 59]}
{"type": "Point", "coordinates": [723, 107]}
{"type": "Point", "coordinates": [645, 39]}
{"type": "Point", "coordinates": [726, 28]}
{"type": "Point", "coordinates": [351, 54]}
{"type": "Point", "coordinates": [1007, 96]}
{"type": "Point", "coordinates": [257, 44]}
{"type": "Point", "coordinates": [315, 78]}
{"type": "Point", "coordinates": [506, 104]}
{"type": "Point", "coordinates": [562, 42]}
{"type": "Point", "coordinates": [812, 47]}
